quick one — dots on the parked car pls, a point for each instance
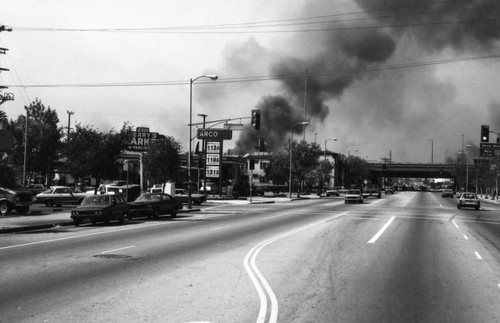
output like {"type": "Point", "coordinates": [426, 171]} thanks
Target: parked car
{"type": "Point", "coordinates": [468, 200]}
{"type": "Point", "coordinates": [156, 188]}
{"type": "Point", "coordinates": [58, 195]}
{"type": "Point", "coordinates": [389, 190]}
{"type": "Point", "coordinates": [15, 200]}
{"type": "Point", "coordinates": [36, 188]}
{"type": "Point", "coordinates": [154, 204]}
{"type": "Point", "coordinates": [353, 196]}
{"type": "Point", "coordinates": [446, 192]}
{"type": "Point", "coordinates": [101, 208]}
{"type": "Point", "coordinates": [182, 195]}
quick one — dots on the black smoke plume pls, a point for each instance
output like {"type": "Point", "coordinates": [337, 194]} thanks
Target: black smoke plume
{"type": "Point", "coordinates": [332, 65]}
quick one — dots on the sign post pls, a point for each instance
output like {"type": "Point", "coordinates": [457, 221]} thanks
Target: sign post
{"type": "Point", "coordinates": [213, 158]}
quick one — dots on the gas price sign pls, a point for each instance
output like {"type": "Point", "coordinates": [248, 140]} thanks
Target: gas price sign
{"type": "Point", "coordinates": [213, 159]}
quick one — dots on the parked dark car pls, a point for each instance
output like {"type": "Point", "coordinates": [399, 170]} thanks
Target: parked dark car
{"type": "Point", "coordinates": [101, 208]}
{"type": "Point", "coordinates": [15, 200]}
{"type": "Point", "coordinates": [36, 188]}
{"type": "Point", "coordinates": [154, 204]}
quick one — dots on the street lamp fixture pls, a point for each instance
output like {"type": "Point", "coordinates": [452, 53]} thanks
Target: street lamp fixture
{"type": "Point", "coordinates": [191, 81]}
{"type": "Point", "coordinates": [303, 123]}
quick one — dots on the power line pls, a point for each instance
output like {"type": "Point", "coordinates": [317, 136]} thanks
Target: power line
{"type": "Point", "coordinates": [292, 22]}
{"type": "Point", "coordinates": [264, 78]}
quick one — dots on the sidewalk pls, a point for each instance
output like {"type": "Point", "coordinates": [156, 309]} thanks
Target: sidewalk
{"type": "Point", "coordinates": [61, 217]}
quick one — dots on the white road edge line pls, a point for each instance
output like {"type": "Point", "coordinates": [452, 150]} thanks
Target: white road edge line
{"type": "Point", "coordinates": [219, 228]}
{"type": "Point", "coordinates": [84, 235]}
{"type": "Point", "coordinates": [118, 249]}
{"type": "Point", "coordinates": [381, 231]}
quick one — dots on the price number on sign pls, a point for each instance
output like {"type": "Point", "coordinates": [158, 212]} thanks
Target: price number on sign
{"type": "Point", "coordinates": [213, 159]}
{"type": "Point", "coordinates": [213, 171]}
{"type": "Point", "coordinates": [213, 147]}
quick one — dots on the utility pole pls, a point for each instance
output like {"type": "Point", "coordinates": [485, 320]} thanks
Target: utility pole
{"type": "Point", "coordinates": [6, 96]}
{"type": "Point", "coordinates": [70, 113]}
{"type": "Point", "coordinates": [305, 104]}
{"type": "Point", "coordinates": [204, 152]}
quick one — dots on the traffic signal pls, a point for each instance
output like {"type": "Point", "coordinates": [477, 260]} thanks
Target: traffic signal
{"type": "Point", "coordinates": [256, 119]}
{"type": "Point", "coordinates": [485, 133]}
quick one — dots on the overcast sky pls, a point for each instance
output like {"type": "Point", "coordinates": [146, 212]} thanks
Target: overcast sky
{"type": "Point", "coordinates": [383, 77]}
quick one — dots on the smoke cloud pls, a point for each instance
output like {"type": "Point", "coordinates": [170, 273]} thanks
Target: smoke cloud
{"type": "Point", "coordinates": [335, 64]}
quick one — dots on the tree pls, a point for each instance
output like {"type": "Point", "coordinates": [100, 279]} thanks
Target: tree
{"type": "Point", "coordinates": [43, 140]}
{"type": "Point", "coordinates": [8, 178]}
{"type": "Point", "coordinates": [355, 171]}
{"type": "Point", "coordinates": [162, 160]}
{"type": "Point", "coordinates": [91, 152]}
{"type": "Point", "coordinates": [305, 160]}
{"type": "Point", "coordinates": [320, 176]}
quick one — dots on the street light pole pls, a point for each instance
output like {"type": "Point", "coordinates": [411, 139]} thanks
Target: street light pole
{"type": "Point", "coordinates": [467, 170]}
{"type": "Point", "coordinates": [191, 81]}
{"type": "Point", "coordinates": [432, 150]}
{"type": "Point", "coordinates": [304, 123]}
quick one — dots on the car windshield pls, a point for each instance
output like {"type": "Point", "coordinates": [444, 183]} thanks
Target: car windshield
{"type": "Point", "coordinates": [469, 196]}
{"type": "Point", "coordinates": [149, 197]}
{"type": "Point", "coordinates": [96, 200]}
{"type": "Point", "coordinates": [353, 192]}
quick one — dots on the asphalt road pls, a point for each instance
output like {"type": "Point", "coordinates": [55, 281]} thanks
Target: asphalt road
{"type": "Point", "coordinates": [408, 257]}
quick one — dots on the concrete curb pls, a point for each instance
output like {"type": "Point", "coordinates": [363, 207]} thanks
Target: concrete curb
{"type": "Point", "coordinates": [60, 223]}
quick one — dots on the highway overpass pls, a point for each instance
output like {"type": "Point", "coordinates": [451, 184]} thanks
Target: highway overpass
{"type": "Point", "coordinates": [412, 170]}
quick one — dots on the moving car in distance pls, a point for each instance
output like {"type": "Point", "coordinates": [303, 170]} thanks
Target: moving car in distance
{"type": "Point", "coordinates": [154, 204]}
{"type": "Point", "coordinates": [182, 195]}
{"type": "Point", "coordinates": [389, 190]}
{"type": "Point", "coordinates": [58, 195]}
{"type": "Point", "coordinates": [100, 208]}
{"type": "Point", "coordinates": [446, 192]}
{"type": "Point", "coordinates": [12, 200]}
{"type": "Point", "coordinates": [468, 200]}
{"type": "Point", "coordinates": [372, 192]}
{"type": "Point", "coordinates": [353, 196]}
{"type": "Point", "coordinates": [332, 192]}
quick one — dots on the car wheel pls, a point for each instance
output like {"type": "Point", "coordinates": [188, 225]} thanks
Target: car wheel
{"type": "Point", "coordinates": [477, 207]}
{"type": "Point", "coordinates": [77, 222]}
{"type": "Point", "coordinates": [4, 208]}
{"type": "Point", "coordinates": [93, 221]}
{"type": "Point", "coordinates": [156, 213]}
{"type": "Point", "coordinates": [173, 214]}
{"type": "Point", "coordinates": [458, 206]}
{"type": "Point", "coordinates": [49, 203]}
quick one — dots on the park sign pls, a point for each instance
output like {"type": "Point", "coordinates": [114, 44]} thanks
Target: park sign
{"type": "Point", "coordinates": [215, 134]}
{"type": "Point", "coordinates": [140, 139]}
